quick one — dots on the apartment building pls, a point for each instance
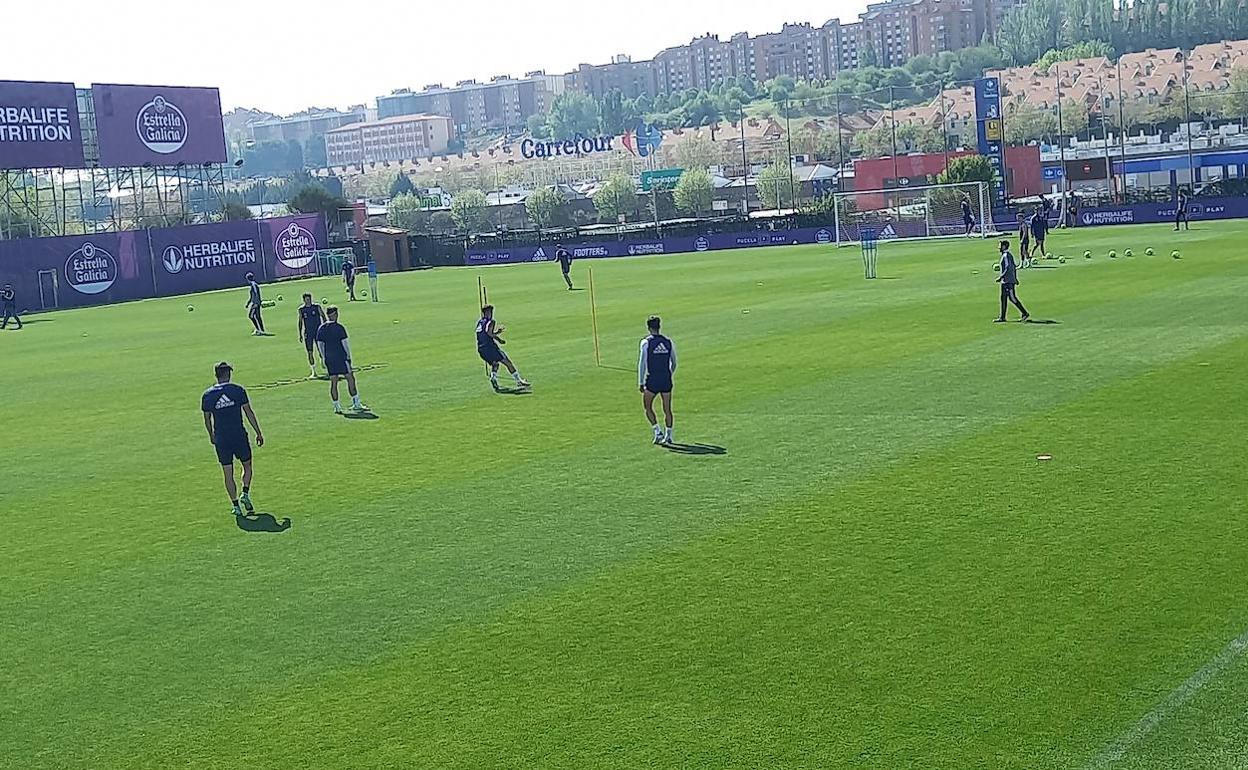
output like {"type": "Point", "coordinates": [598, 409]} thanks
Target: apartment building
{"type": "Point", "coordinates": [401, 138]}
{"type": "Point", "coordinates": [305, 126]}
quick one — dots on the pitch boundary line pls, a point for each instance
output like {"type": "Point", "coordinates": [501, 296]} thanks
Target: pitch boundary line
{"type": "Point", "coordinates": [1177, 698]}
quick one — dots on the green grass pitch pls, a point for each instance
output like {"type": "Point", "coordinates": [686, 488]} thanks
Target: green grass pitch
{"type": "Point", "coordinates": [878, 573]}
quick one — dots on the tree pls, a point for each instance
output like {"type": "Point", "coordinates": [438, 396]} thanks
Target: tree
{"type": "Point", "coordinates": [235, 211]}
{"type": "Point", "coordinates": [968, 168]}
{"type": "Point", "coordinates": [1087, 49]}
{"type": "Point", "coordinates": [405, 211]}
{"type": "Point", "coordinates": [470, 211]}
{"type": "Point", "coordinates": [544, 206]}
{"type": "Point", "coordinates": [1074, 117]}
{"type": "Point", "coordinates": [618, 196]}
{"type": "Point", "coordinates": [696, 152]}
{"type": "Point", "coordinates": [775, 186]}
{"type": "Point", "coordinates": [694, 192]}
{"type": "Point", "coordinates": [573, 113]}
{"type": "Point", "coordinates": [314, 155]}
{"type": "Point", "coordinates": [1235, 103]}
{"type": "Point", "coordinates": [402, 185]}
{"type": "Point", "coordinates": [315, 199]}
{"type": "Point", "coordinates": [1029, 123]}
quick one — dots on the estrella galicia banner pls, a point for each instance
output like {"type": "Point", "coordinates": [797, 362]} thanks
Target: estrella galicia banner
{"type": "Point", "coordinates": [115, 267]}
{"type": "Point", "coordinates": [990, 129]}
{"type": "Point", "coordinates": [79, 269]}
{"type": "Point", "coordinates": [39, 126]}
{"type": "Point", "coordinates": [160, 125]}
{"type": "Point", "coordinates": [292, 243]}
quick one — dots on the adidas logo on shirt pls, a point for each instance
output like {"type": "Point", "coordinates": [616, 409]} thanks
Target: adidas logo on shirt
{"type": "Point", "coordinates": [661, 348]}
{"type": "Point", "coordinates": [224, 402]}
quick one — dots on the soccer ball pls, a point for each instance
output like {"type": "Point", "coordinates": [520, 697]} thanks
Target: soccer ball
{"type": "Point", "coordinates": [1149, 252]}
{"type": "Point", "coordinates": [1113, 255]}
{"type": "Point", "coordinates": [996, 267]}
{"type": "Point", "coordinates": [1049, 255]}
{"type": "Point", "coordinates": [1128, 253]}
{"type": "Point", "coordinates": [1176, 255]}
{"type": "Point", "coordinates": [190, 308]}
{"type": "Point", "coordinates": [1061, 260]}
{"type": "Point", "coordinates": [1087, 255]}
{"type": "Point", "coordinates": [324, 301]}
{"type": "Point", "coordinates": [280, 298]}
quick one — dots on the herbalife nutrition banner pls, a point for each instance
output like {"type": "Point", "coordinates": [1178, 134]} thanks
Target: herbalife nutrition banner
{"type": "Point", "coordinates": [39, 126]}
{"type": "Point", "coordinates": [115, 267]}
{"type": "Point", "coordinates": [160, 125]}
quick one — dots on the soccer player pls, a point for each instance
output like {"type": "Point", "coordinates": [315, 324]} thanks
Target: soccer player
{"type": "Point", "coordinates": [8, 299]}
{"type": "Point", "coordinates": [224, 406]}
{"type": "Point", "coordinates": [489, 347]}
{"type": "Point", "coordinates": [254, 303]}
{"type": "Point", "coordinates": [968, 218]}
{"type": "Point", "coordinates": [1024, 240]}
{"type": "Point", "coordinates": [336, 353]}
{"type": "Point", "coordinates": [655, 368]}
{"type": "Point", "coordinates": [1039, 233]}
{"type": "Point", "coordinates": [565, 263]}
{"type": "Point", "coordinates": [1009, 284]}
{"type": "Point", "coordinates": [1180, 211]}
{"type": "Point", "coordinates": [348, 277]}
{"type": "Point", "coordinates": [311, 316]}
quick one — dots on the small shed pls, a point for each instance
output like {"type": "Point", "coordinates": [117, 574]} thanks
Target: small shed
{"type": "Point", "coordinates": [389, 248]}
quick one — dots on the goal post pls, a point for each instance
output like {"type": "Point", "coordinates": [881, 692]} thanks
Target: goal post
{"type": "Point", "coordinates": [913, 212]}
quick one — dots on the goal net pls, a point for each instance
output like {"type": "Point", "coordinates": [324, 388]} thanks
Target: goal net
{"type": "Point", "coordinates": [901, 213]}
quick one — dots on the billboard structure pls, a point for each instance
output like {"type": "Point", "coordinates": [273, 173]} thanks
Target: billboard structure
{"type": "Point", "coordinates": [39, 126]}
{"type": "Point", "coordinates": [157, 125]}
{"type": "Point", "coordinates": [109, 158]}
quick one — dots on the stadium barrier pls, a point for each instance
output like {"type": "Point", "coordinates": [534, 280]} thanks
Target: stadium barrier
{"type": "Point", "coordinates": [1145, 213]}
{"type": "Point", "coordinates": [674, 245]}
{"type": "Point", "coordinates": [103, 268]}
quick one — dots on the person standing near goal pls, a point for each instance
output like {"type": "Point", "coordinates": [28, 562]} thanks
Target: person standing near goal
{"type": "Point", "coordinates": [968, 217]}
{"type": "Point", "coordinates": [254, 303]}
{"type": "Point", "coordinates": [1024, 240]}
{"type": "Point", "coordinates": [655, 369]}
{"type": "Point", "coordinates": [9, 301]}
{"type": "Point", "coordinates": [1180, 211]}
{"type": "Point", "coordinates": [1009, 284]}
{"type": "Point", "coordinates": [1039, 232]}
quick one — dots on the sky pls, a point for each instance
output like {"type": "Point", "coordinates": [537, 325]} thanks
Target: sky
{"type": "Point", "coordinates": [284, 56]}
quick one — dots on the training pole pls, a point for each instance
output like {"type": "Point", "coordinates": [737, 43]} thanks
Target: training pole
{"type": "Point", "coordinates": [593, 316]}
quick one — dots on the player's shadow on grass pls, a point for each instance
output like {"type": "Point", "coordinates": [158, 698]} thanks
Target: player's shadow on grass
{"type": "Point", "coordinates": [578, 288]}
{"type": "Point", "coordinates": [262, 522]}
{"type": "Point", "coordinates": [514, 391]}
{"type": "Point", "coordinates": [1042, 322]}
{"type": "Point", "coordinates": [700, 450]}
{"type": "Point", "coordinates": [360, 416]}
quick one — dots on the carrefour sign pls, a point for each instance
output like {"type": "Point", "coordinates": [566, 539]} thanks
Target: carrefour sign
{"type": "Point", "coordinates": [581, 145]}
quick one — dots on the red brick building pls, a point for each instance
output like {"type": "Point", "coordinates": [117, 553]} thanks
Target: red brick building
{"type": "Point", "coordinates": [1024, 176]}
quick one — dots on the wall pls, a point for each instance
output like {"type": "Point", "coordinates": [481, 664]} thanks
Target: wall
{"type": "Point", "coordinates": [104, 268]}
{"type": "Point", "coordinates": [1022, 166]}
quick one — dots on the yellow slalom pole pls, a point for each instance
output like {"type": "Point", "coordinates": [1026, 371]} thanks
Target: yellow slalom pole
{"type": "Point", "coordinates": [593, 314]}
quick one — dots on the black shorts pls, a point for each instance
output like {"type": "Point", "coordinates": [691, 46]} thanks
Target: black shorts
{"type": "Point", "coordinates": [339, 368]}
{"type": "Point", "coordinates": [658, 386]}
{"type": "Point", "coordinates": [565, 267]}
{"type": "Point", "coordinates": [309, 340]}
{"type": "Point", "coordinates": [1007, 289]}
{"type": "Point", "coordinates": [492, 355]}
{"type": "Point", "coordinates": [231, 449]}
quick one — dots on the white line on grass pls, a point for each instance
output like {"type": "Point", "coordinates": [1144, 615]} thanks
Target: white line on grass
{"type": "Point", "coordinates": [1115, 751]}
